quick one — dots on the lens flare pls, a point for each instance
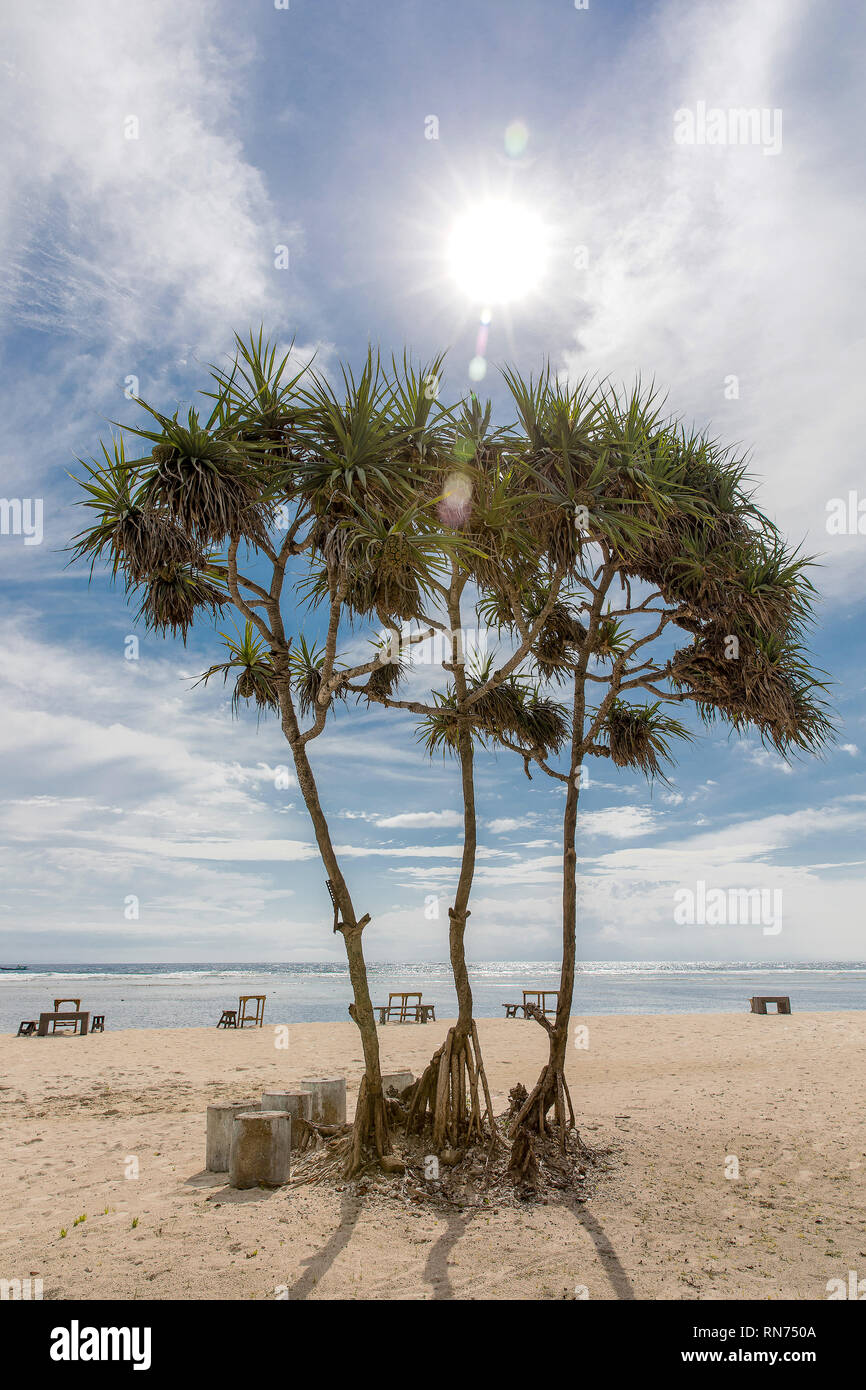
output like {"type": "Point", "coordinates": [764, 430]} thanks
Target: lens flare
{"type": "Point", "coordinates": [516, 139]}
{"type": "Point", "coordinates": [456, 503]}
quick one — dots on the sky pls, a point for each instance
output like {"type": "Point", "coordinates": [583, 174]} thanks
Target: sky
{"type": "Point", "coordinates": [172, 174]}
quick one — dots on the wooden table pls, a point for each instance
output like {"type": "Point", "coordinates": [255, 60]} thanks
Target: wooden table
{"type": "Point", "coordinates": [254, 1016]}
{"type": "Point", "coordinates": [539, 998]}
{"type": "Point", "coordinates": [52, 1019]}
{"type": "Point", "coordinates": [404, 1011]}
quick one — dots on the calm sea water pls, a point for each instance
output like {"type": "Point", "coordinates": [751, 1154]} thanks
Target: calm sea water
{"type": "Point", "coordinates": [192, 996]}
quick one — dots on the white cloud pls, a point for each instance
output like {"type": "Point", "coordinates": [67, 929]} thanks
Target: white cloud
{"type": "Point", "coordinates": [618, 822]}
{"type": "Point", "coordinates": [171, 230]}
{"type": "Point", "coordinates": [764, 759]}
{"type": "Point", "coordinates": [433, 820]}
{"type": "Point", "coordinates": [708, 263]}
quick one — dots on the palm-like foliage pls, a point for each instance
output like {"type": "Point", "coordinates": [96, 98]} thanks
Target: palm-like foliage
{"type": "Point", "coordinates": [358, 442]}
{"type": "Point", "coordinates": [562, 632]}
{"type": "Point", "coordinates": [130, 535]}
{"type": "Point", "coordinates": [256, 395]}
{"type": "Point", "coordinates": [387, 567]}
{"type": "Point", "coordinates": [306, 664]}
{"type": "Point", "coordinates": [204, 479]}
{"type": "Point", "coordinates": [513, 712]}
{"type": "Point", "coordinates": [611, 639]}
{"type": "Point", "coordinates": [384, 680]}
{"type": "Point", "coordinates": [250, 665]}
{"type": "Point", "coordinates": [639, 736]}
{"type": "Point", "coordinates": [768, 684]}
{"type": "Point", "coordinates": [174, 595]}
{"type": "Point", "coordinates": [673, 510]}
{"type": "Point", "coordinates": [415, 407]}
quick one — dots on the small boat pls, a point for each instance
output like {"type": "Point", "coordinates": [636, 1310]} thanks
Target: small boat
{"type": "Point", "coordinates": [13, 967]}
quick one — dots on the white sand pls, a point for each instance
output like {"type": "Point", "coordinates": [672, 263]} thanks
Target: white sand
{"type": "Point", "coordinates": [785, 1095]}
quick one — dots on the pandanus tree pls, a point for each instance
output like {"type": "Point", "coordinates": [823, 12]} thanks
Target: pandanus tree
{"type": "Point", "coordinates": [466, 507]}
{"type": "Point", "coordinates": [679, 592]}
{"type": "Point", "coordinates": [241, 509]}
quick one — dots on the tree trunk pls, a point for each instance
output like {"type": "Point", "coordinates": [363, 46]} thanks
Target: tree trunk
{"type": "Point", "coordinates": [551, 1088]}
{"type": "Point", "coordinates": [370, 1130]}
{"type": "Point", "coordinates": [454, 1086]}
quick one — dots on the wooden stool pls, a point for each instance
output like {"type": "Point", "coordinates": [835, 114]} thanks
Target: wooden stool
{"type": "Point", "coordinates": [229, 1019]}
{"type": "Point", "coordinates": [26, 1028]}
{"type": "Point", "coordinates": [97, 1023]}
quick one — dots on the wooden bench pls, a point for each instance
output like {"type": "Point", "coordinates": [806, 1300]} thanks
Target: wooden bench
{"type": "Point", "coordinates": [77, 1020]}
{"type": "Point", "coordinates": [404, 1011]}
{"type": "Point", "coordinates": [537, 997]}
{"type": "Point", "coordinates": [759, 1003]}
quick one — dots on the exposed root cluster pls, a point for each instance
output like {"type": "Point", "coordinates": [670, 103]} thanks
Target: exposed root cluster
{"type": "Point", "coordinates": [453, 1093]}
{"type": "Point", "coordinates": [474, 1176]}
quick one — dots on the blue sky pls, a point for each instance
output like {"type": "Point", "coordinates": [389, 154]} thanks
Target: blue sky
{"type": "Point", "coordinates": [730, 273]}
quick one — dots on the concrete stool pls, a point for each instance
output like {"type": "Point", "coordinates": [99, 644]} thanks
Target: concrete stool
{"type": "Point", "coordinates": [299, 1105]}
{"type": "Point", "coordinates": [399, 1080]}
{"type": "Point", "coordinates": [329, 1099]}
{"type": "Point", "coordinates": [261, 1154]}
{"type": "Point", "coordinates": [219, 1132]}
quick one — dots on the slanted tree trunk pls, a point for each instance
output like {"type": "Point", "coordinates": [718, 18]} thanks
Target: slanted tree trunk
{"type": "Point", "coordinates": [453, 1088]}
{"type": "Point", "coordinates": [370, 1129]}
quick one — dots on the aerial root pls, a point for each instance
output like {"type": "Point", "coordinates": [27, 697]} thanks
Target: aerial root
{"type": "Point", "coordinates": [449, 1094]}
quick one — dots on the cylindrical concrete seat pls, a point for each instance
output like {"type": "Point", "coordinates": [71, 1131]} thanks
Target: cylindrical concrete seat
{"type": "Point", "coordinates": [299, 1105]}
{"type": "Point", "coordinates": [219, 1132]}
{"type": "Point", "coordinates": [399, 1080]}
{"type": "Point", "coordinates": [329, 1099]}
{"type": "Point", "coordinates": [261, 1150]}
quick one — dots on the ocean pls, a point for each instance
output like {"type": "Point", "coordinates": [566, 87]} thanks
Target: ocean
{"type": "Point", "coordinates": [193, 996]}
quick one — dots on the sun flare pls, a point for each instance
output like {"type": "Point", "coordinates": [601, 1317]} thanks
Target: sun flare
{"type": "Point", "coordinates": [497, 252]}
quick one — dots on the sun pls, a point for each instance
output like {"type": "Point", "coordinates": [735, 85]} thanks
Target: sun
{"type": "Point", "coordinates": [497, 252]}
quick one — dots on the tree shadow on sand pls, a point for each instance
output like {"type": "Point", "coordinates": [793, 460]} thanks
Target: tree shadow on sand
{"type": "Point", "coordinates": [436, 1269]}
{"type": "Point", "coordinates": [320, 1261]}
{"type": "Point", "coordinates": [610, 1261]}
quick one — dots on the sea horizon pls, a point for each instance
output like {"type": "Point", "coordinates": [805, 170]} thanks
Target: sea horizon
{"type": "Point", "coordinates": [173, 994]}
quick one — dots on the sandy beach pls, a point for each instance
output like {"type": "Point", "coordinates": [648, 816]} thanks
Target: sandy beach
{"type": "Point", "coordinates": [674, 1096]}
